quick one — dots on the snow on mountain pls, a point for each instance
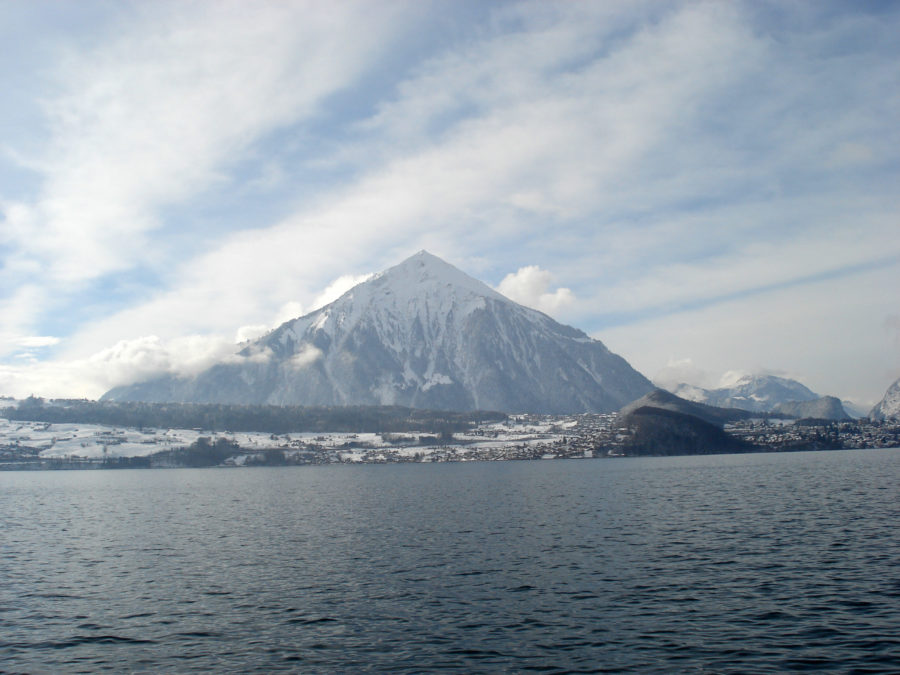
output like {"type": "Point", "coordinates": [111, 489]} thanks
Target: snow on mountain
{"type": "Point", "coordinates": [825, 408]}
{"type": "Point", "coordinates": [421, 334]}
{"type": "Point", "coordinates": [757, 393]}
{"type": "Point", "coordinates": [889, 407]}
{"type": "Point", "coordinates": [689, 392]}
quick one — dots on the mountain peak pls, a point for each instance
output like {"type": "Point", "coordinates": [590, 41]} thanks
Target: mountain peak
{"type": "Point", "coordinates": [424, 255]}
{"type": "Point", "coordinates": [427, 272]}
{"type": "Point", "coordinates": [420, 334]}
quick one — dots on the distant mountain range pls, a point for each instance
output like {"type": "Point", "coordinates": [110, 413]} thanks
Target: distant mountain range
{"type": "Point", "coordinates": [422, 334]}
{"type": "Point", "coordinates": [824, 408]}
{"type": "Point", "coordinates": [757, 393]}
{"type": "Point", "coordinates": [767, 394]}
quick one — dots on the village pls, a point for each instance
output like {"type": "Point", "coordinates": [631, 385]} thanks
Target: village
{"type": "Point", "coordinates": [42, 445]}
{"type": "Point", "coordinates": [25, 444]}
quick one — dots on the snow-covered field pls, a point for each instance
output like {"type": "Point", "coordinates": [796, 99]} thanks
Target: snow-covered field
{"type": "Point", "coordinates": [94, 441]}
{"type": "Point", "coordinates": [91, 440]}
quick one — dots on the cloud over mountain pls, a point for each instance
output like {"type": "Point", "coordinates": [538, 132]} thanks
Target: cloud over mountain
{"type": "Point", "coordinates": [530, 286]}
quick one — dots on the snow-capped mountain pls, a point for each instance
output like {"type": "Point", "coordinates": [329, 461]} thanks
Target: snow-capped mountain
{"type": "Point", "coordinates": [422, 334]}
{"type": "Point", "coordinates": [757, 393]}
{"type": "Point", "coordinates": [889, 407]}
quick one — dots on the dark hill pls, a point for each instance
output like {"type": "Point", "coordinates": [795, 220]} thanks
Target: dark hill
{"type": "Point", "coordinates": [657, 431]}
{"type": "Point", "coordinates": [664, 400]}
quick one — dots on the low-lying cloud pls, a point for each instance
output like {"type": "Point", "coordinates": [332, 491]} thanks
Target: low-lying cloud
{"type": "Point", "coordinates": [127, 361]}
{"type": "Point", "coordinates": [305, 356]}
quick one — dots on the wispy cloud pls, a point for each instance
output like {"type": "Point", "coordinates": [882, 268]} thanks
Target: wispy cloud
{"type": "Point", "coordinates": [38, 341]}
{"type": "Point", "coordinates": [160, 113]}
{"type": "Point", "coordinates": [669, 163]}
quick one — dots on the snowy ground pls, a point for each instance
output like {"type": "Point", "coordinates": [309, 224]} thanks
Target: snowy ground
{"type": "Point", "coordinates": [95, 441]}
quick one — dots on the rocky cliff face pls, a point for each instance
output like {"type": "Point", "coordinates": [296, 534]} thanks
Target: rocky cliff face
{"type": "Point", "coordinates": [421, 334]}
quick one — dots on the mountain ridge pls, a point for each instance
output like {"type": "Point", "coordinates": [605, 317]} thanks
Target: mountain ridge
{"type": "Point", "coordinates": [661, 399]}
{"type": "Point", "coordinates": [756, 393]}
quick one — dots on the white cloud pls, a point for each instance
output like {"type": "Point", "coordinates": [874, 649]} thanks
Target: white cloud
{"type": "Point", "coordinates": [307, 355]}
{"type": "Point", "coordinates": [16, 313]}
{"type": "Point", "coordinates": [287, 312]}
{"type": "Point", "coordinates": [730, 378]}
{"type": "Point", "coordinates": [38, 341]}
{"type": "Point", "coordinates": [125, 362]}
{"type": "Point", "coordinates": [530, 286]}
{"type": "Point", "coordinates": [253, 354]}
{"type": "Point", "coordinates": [152, 116]}
{"type": "Point", "coordinates": [683, 371]}
{"type": "Point", "coordinates": [337, 288]}
{"type": "Point", "coordinates": [246, 333]}
{"type": "Point", "coordinates": [146, 357]}
{"type": "Point", "coordinates": [156, 115]}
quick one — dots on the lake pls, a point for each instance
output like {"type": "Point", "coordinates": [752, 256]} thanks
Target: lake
{"type": "Point", "coordinates": [726, 564]}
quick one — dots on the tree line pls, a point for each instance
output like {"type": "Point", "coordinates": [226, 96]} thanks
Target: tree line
{"type": "Point", "coordinates": [229, 417]}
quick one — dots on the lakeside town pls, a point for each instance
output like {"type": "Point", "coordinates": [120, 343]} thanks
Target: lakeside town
{"type": "Point", "coordinates": [28, 445]}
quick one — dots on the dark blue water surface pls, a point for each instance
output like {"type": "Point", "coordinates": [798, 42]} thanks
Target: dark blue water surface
{"type": "Point", "coordinates": [732, 563]}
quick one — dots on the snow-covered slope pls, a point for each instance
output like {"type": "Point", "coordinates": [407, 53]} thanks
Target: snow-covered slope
{"type": "Point", "coordinates": [421, 334]}
{"type": "Point", "coordinates": [825, 408]}
{"type": "Point", "coordinates": [889, 407]}
{"type": "Point", "coordinates": [757, 393]}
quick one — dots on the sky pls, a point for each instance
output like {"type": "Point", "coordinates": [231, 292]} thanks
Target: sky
{"type": "Point", "coordinates": [710, 188]}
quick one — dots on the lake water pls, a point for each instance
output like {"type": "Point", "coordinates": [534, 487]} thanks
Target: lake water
{"type": "Point", "coordinates": [730, 563]}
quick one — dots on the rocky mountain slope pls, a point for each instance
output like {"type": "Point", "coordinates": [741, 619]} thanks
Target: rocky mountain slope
{"type": "Point", "coordinates": [422, 334]}
{"type": "Point", "coordinates": [889, 407]}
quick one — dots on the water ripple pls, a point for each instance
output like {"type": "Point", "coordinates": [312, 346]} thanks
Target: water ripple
{"type": "Point", "coordinates": [726, 564]}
